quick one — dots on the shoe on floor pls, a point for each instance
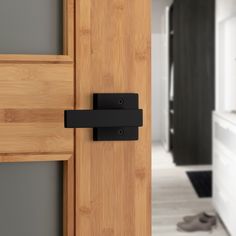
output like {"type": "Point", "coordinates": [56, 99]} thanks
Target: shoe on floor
{"type": "Point", "coordinates": [203, 216]}
{"type": "Point", "coordinates": [195, 225]}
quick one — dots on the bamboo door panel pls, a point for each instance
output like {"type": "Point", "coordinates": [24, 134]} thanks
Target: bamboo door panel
{"type": "Point", "coordinates": [113, 178]}
{"type": "Point", "coordinates": [32, 103]}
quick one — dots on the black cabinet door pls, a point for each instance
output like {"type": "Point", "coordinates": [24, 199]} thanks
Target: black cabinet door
{"type": "Point", "coordinates": [194, 80]}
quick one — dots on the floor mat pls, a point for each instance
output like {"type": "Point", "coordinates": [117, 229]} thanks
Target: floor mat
{"type": "Point", "coordinates": [202, 182]}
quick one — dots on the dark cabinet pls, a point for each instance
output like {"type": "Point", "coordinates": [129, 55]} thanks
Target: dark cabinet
{"type": "Point", "coordinates": [193, 56]}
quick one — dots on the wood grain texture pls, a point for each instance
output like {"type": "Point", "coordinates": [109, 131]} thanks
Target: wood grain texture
{"type": "Point", "coordinates": [36, 59]}
{"type": "Point", "coordinates": [11, 158]}
{"type": "Point", "coordinates": [68, 198]}
{"type": "Point", "coordinates": [68, 27]}
{"type": "Point", "coordinates": [113, 178]}
{"type": "Point", "coordinates": [35, 138]}
{"type": "Point", "coordinates": [33, 98]}
{"type": "Point", "coordinates": [36, 86]}
{"type": "Point", "coordinates": [31, 115]}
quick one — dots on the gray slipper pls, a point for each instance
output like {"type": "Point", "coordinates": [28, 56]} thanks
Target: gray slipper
{"type": "Point", "coordinates": [195, 225]}
{"type": "Point", "coordinates": [203, 216]}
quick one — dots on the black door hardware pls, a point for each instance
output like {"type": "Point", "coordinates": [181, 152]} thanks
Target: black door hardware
{"type": "Point", "coordinates": [114, 117]}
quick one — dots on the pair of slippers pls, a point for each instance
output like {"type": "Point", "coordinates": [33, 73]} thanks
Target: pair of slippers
{"type": "Point", "coordinates": [199, 222]}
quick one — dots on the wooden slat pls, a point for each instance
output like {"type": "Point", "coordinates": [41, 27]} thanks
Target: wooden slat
{"type": "Point", "coordinates": [35, 137]}
{"type": "Point", "coordinates": [113, 178]}
{"type": "Point", "coordinates": [31, 115]}
{"type": "Point", "coordinates": [68, 198]}
{"type": "Point", "coordinates": [20, 58]}
{"type": "Point", "coordinates": [68, 36]}
{"type": "Point", "coordinates": [36, 86]}
{"type": "Point", "coordinates": [11, 158]}
{"type": "Point", "coordinates": [68, 180]}
{"type": "Point", "coordinates": [33, 98]}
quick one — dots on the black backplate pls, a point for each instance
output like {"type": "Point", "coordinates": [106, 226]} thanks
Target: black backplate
{"type": "Point", "coordinates": [121, 101]}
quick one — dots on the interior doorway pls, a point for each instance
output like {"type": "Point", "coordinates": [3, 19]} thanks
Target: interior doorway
{"type": "Point", "coordinates": [187, 88]}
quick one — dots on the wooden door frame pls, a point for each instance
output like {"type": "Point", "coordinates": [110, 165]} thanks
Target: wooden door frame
{"type": "Point", "coordinates": [67, 158]}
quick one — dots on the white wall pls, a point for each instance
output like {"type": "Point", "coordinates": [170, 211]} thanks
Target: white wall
{"type": "Point", "coordinates": [225, 9]}
{"type": "Point", "coordinates": [156, 88]}
{"type": "Point", "coordinates": [158, 67]}
{"type": "Point", "coordinates": [225, 55]}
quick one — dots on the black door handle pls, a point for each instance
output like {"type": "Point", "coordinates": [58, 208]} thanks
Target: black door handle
{"type": "Point", "coordinates": [103, 118]}
{"type": "Point", "coordinates": [115, 117]}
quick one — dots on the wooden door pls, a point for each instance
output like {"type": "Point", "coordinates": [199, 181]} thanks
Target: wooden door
{"type": "Point", "coordinates": [109, 52]}
{"type": "Point", "coordinates": [113, 182]}
{"type": "Point", "coordinates": [34, 92]}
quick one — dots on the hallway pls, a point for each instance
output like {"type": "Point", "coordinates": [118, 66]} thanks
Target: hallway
{"type": "Point", "coordinates": [174, 197]}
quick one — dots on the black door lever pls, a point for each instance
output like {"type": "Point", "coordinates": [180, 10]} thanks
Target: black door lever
{"type": "Point", "coordinates": [115, 117]}
{"type": "Point", "coordinates": [103, 118]}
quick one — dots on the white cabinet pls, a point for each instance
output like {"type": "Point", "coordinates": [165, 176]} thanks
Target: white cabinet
{"type": "Point", "coordinates": [224, 168]}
